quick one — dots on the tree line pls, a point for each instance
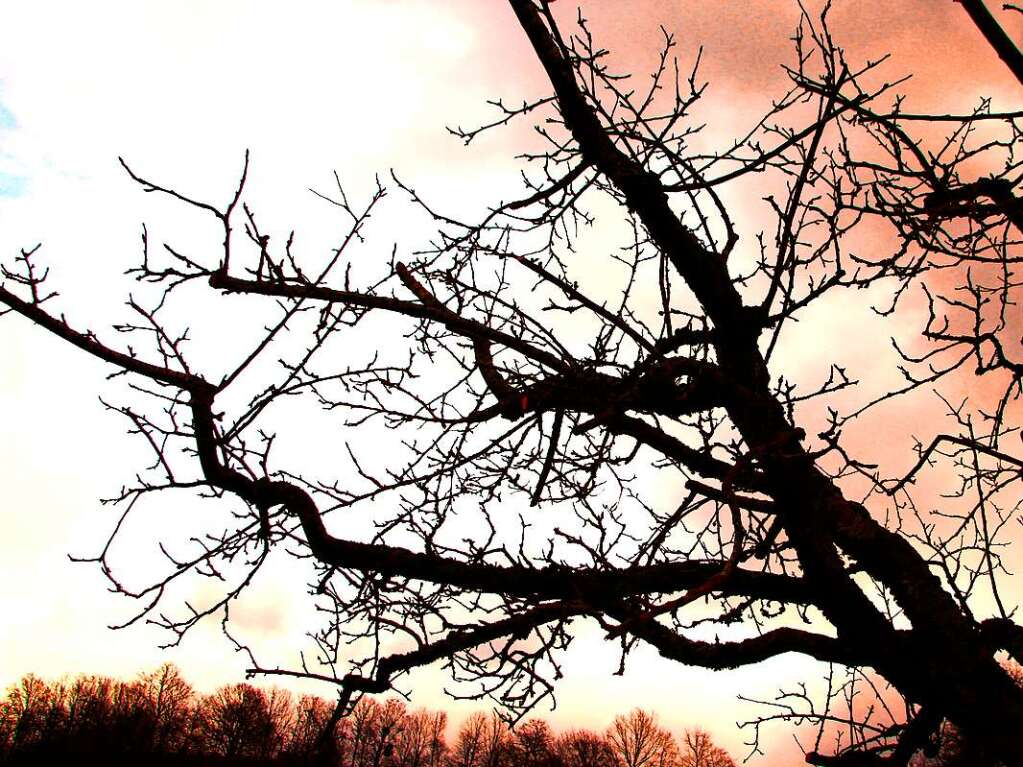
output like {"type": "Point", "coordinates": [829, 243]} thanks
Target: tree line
{"type": "Point", "coordinates": [159, 717]}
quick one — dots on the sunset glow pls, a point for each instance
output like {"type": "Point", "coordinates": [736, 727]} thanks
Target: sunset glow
{"type": "Point", "coordinates": [365, 87]}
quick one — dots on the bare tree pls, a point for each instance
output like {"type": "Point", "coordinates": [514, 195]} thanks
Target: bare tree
{"type": "Point", "coordinates": [25, 713]}
{"type": "Point", "coordinates": [698, 750]}
{"type": "Point", "coordinates": [534, 744]}
{"type": "Point", "coordinates": [309, 721]}
{"type": "Point", "coordinates": [421, 740]}
{"type": "Point", "coordinates": [639, 741]}
{"type": "Point", "coordinates": [483, 740]}
{"type": "Point", "coordinates": [168, 696]}
{"type": "Point", "coordinates": [242, 721]}
{"type": "Point", "coordinates": [363, 732]}
{"type": "Point", "coordinates": [584, 748]}
{"type": "Point", "coordinates": [546, 369]}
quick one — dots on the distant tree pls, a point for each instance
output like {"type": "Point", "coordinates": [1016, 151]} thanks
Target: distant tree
{"type": "Point", "coordinates": [391, 723]}
{"type": "Point", "coordinates": [376, 732]}
{"type": "Point", "coordinates": [25, 712]}
{"type": "Point", "coordinates": [436, 724]}
{"type": "Point", "coordinates": [533, 744]}
{"type": "Point", "coordinates": [698, 750]}
{"type": "Point", "coordinates": [483, 740]}
{"type": "Point", "coordinates": [309, 719]}
{"type": "Point", "coordinates": [96, 711]}
{"type": "Point", "coordinates": [420, 742]}
{"type": "Point", "coordinates": [240, 720]}
{"type": "Point", "coordinates": [585, 748]}
{"type": "Point", "coordinates": [168, 698]}
{"type": "Point", "coordinates": [638, 741]}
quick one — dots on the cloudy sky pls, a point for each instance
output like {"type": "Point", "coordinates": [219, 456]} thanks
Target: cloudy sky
{"type": "Point", "coordinates": [181, 89]}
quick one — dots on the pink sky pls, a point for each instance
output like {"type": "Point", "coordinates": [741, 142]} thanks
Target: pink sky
{"type": "Point", "coordinates": [181, 89]}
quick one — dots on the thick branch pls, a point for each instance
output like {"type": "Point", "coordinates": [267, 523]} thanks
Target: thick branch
{"type": "Point", "coordinates": [723, 655]}
{"type": "Point", "coordinates": [702, 270]}
{"type": "Point", "coordinates": [1006, 49]}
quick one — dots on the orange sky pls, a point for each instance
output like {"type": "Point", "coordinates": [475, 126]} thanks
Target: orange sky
{"type": "Point", "coordinates": [181, 89]}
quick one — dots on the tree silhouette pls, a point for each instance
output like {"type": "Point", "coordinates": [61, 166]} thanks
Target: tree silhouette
{"type": "Point", "coordinates": [698, 750]}
{"type": "Point", "coordinates": [638, 741]}
{"type": "Point", "coordinates": [168, 698]}
{"type": "Point", "coordinates": [113, 722]}
{"type": "Point", "coordinates": [421, 740]}
{"type": "Point", "coordinates": [528, 364]}
{"type": "Point", "coordinates": [243, 721]}
{"type": "Point", "coordinates": [583, 748]}
{"type": "Point", "coordinates": [534, 744]}
{"type": "Point", "coordinates": [483, 741]}
{"type": "Point", "coordinates": [308, 722]}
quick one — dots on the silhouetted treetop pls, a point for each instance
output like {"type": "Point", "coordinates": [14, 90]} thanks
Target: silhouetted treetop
{"type": "Point", "coordinates": [158, 718]}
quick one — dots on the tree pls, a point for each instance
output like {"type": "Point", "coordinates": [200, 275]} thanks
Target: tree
{"type": "Point", "coordinates": [421, 740]}
{"type": "Point", "coordinates": [242, 721]}
{"type": "Point", "coordinates": [584, 748]}
{"type": "Point", "coordinates": [311, 717]}
{"type": "Point", "coordinates": [638, 741]}
{"type": "Point", "coordinates": [672, 374]}
{"type": "Point", "coordinates": [534, 744]}
{"type": "Point", "coordinates": [698, 750]}
{"type": "Point", "coordinates": [25, 713]}
{"type": "Point", "coordinates": [482, 741]}
{"type": "Point", "coordinates": [168, 696]}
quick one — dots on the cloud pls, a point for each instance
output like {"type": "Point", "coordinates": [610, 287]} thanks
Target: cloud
{"type": "Point", "coordinates": [7, 121]}
{"type": "Point", "coordinates": [11, 184]}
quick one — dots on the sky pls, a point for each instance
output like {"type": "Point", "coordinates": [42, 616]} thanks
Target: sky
{"type": "Point", "coordinates": [180, 90]}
